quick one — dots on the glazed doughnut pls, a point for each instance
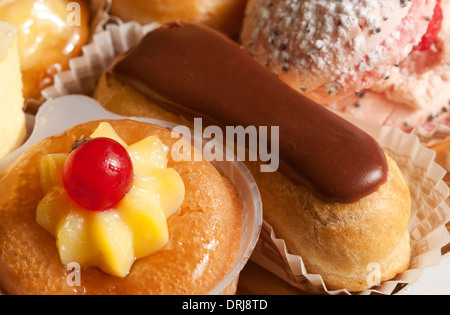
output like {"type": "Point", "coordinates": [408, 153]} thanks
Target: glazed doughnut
{"type": "Point", "coordinates": [337, 236]}
{"type": "Point", "coordinates": [46, 40]}
{"type": "Point", "coordinates": [223, 15]}
{"type": "Point", "coordinates": [208, 224]}
{"type": "Point", "coordinates": [328, 50]}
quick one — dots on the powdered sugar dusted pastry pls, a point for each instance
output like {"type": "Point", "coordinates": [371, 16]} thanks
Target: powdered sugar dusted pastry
{"type": "Point", "coordinates": [330, 49]}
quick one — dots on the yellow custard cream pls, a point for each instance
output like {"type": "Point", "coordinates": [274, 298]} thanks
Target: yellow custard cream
{"type": "Point", "coordinates": [137, 227]}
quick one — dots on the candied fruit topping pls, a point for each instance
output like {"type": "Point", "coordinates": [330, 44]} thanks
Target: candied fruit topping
{"type": "Point", "coordinates": [110, 237]}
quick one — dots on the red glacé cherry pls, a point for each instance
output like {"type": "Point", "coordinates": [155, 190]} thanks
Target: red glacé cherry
{"type": "Point", "coordinates": [98, 174]}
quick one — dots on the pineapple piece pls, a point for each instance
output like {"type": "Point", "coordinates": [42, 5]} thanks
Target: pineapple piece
{"type": "Point", "coordinates": [142, 212]}
{"type": "Point", "coordinates": [167, 185]}
{"type": "Point", "coordinates": [170, 189]}
{"type": "Point", "coordinates": [147, 155]}
{"type": "Point", "coordinates": [73, 239]}
{"type": "Point", "coordinates": [114, 239]}
{"type": "Point", "coordinates": [50, 170]}
{"type": "Point", "coordinates": [105, 130]}
{"type": "Point", "coordinates": [52, 210]}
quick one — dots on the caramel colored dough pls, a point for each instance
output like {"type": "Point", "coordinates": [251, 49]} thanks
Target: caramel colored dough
{"type": "Point", "coordinates": [204, 234]}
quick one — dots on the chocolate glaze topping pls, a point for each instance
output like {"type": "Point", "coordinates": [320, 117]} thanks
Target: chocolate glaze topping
{"type": "Point", "coordinates": [193, 70]}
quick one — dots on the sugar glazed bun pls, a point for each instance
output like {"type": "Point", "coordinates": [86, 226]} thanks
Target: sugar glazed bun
{"type": "Point", "coordinates": [328, 50]}
{"type": "Point", "coordinates": [204, 234]}
{"type": "Point", "coordinates": [223, 15]}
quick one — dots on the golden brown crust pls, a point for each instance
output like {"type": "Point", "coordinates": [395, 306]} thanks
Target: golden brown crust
{"type": "Point", "coordinates": [204, 235]}
{"type": "Point", "coordinates": [339, 241]}
{"type": "Point", "coordinates": [113, 95]}
{"type": "Point", "coordinates": [223, 15]}
{"type": "Point", "coordinates": [335, 240]}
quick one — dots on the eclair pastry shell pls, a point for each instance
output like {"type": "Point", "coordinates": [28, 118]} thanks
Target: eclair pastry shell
{"type": "Point", "coordinates": [204, 234]}
{"type": "Point", "coordinates": [336, 240]}
{"type": "Point", "coordinates": [341, 242]}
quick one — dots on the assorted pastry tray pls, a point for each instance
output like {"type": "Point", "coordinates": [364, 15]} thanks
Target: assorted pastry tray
{"type": "Point", "coordinates": [355, 207]}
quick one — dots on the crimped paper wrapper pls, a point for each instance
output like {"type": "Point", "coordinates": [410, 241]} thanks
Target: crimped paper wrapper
{"type": "Point", "coordinates": [438, 134]}
{"type": "Point", "coordinates": [429, 210]}
{"type": "Point", "coordinates": [429, 215]}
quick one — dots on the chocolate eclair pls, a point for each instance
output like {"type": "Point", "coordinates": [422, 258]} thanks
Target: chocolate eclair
{"type": "Point", "coordinates": [338, 201]}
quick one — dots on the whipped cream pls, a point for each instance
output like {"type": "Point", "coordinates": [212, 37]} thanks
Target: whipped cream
{"type": "Point", "coordinates": [422, 81]}
{"type": "Point", "coordinates": [416, 93]}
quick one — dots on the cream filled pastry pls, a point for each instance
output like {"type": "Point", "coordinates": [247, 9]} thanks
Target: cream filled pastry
{"type": "Point", "coordinates": [108, 197]}
{"type": "Point", "coordinates": [335, 180]}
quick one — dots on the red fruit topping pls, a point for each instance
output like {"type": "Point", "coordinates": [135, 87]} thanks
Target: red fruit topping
{"type": "Point", "coordinates": [98, 174]}
{"type": "Point", "coordinates": [433, 29]}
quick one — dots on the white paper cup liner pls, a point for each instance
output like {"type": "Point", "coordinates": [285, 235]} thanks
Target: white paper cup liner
{"type": "Point", "coordinates": [429, 193]}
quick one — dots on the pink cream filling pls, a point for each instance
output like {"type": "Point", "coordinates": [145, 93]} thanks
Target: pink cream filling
{"type": "Point", "coordinates": [391, 51]}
